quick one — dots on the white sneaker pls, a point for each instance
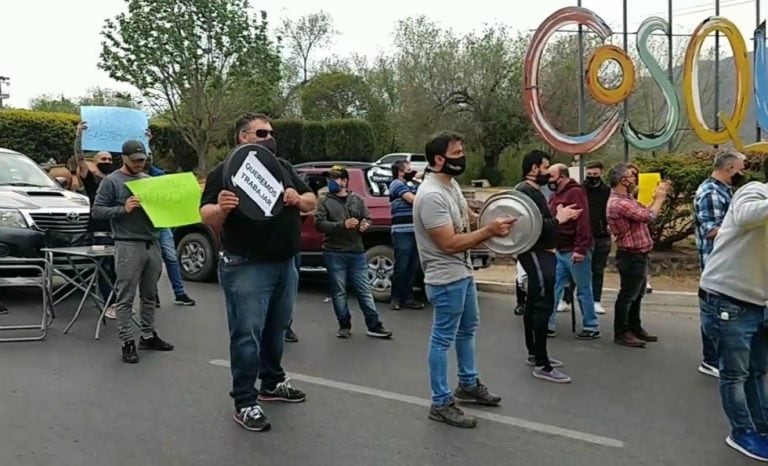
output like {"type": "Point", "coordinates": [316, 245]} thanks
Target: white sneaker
{"type": "Point", "coordinates": [563, 307]}
{"type": "Point", "coordinates": [110, 314]}
{"type": "Point", "coordinates": [709, 370]}
{"type": "Point", "coordinates": [599, 309]}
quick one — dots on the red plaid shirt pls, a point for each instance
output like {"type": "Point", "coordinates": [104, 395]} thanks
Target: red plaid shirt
{"type": "Point", "coordinates": [628, 222]}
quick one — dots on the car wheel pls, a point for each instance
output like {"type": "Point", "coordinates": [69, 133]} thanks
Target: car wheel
{"type": "Point", "coordinates": [381, 265]}
{"type": "Point", "coordinates": [196, 257]}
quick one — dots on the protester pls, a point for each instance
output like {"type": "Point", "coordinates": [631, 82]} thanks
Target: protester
{"type": "Point", "coordinates": [343, 218]}
{"type": "Point", "coordinates": [628, 222]}
{"type": "Point", "coordinates": [635, 170]}
{"type": "Point", "coordinates": [710, 204]}
{"type": "Point", "coordinates": [539, 264]}
{"type": "Point", "coordinates": [168, 250]}
{"type": "Point", "coordinates": [402, 192]}
{"type": "Point", "coordinates": [257, 271]}
{"type": "Point", "coordinates": [573, 240]}
{"type": "Point", "coordinates": [597, 197]}
{"type": "Point", "coordinates": [137, 253]}
{"type": "Point", "coordinates": [732, 296]}
{"type": "Point", "coordinates": [441, 224]}
{"type": "Point", "coordinates": [100, 228]}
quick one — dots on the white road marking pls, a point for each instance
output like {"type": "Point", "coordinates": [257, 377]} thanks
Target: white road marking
{"type": "Point", "coordinates": [508, 420]}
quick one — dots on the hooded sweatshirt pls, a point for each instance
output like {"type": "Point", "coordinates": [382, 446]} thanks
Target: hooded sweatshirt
{"type": "Point", "coordinates": [738, 264]}
{"type": "Point", "coordinates": [331, 212]}
{"type": "Point", "coordinates": [573, 235]}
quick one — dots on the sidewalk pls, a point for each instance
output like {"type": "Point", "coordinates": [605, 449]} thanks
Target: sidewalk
{"type": "Point", "coordinates": [501, 279]}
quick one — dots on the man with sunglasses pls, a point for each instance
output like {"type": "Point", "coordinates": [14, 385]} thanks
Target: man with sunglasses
{"type": "Point", "coordinates": [137, 252]}
{"type": "Point", "coordinates": [258, 273]}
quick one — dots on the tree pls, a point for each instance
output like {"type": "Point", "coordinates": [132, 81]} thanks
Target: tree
{"type": "Point", "coordinates": [305, 35]}
{"type": "Point", "coordinates": [334, 95]}
{"type": "Point", "coordinates": [100, 96]}
{"type": "Point", "coordinates": [200, 62]}
{"type": "Point", "coordinates": [51, 103]}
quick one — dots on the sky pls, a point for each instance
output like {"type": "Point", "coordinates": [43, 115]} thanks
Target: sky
{"type": "Point", "coordinates": [52, 46]}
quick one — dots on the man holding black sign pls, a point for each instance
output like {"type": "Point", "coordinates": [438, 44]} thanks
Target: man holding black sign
{"type": "Point", "coordinates": [257, 269]}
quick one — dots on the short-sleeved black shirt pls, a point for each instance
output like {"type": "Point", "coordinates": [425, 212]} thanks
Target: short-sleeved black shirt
{"type": "Point", "coordinates": [275, 240]}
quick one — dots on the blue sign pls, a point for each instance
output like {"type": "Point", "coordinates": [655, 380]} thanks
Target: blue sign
{"type": "Point", "coordinates": [110, 127]}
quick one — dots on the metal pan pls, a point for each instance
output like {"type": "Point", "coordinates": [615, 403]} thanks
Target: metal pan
{"type": "Point", "coordinates": [525, 231]}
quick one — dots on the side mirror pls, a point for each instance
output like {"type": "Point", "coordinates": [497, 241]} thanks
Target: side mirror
{"type": "Point", "coordinates": [63, 182]}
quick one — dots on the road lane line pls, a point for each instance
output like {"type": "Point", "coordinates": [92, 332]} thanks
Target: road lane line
{"type": "Point", "coordinates": [502, 419]}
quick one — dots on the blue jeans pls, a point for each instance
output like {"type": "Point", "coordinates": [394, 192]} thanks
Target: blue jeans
{"type": "Point", "coordinates": [456, 317]}
{"type": "Point", "coordinates": [581, 275]}
{"type": "Point", "coordinates": [742, 343]}
{"type": "Point", "coordinates": [259, 298]}
{"type": "Point", "coordinates": [168, 250]}
{"type": "Point", "coordinates": [350, 268]}
{"type": "Point", "coordinates": [406, 265]}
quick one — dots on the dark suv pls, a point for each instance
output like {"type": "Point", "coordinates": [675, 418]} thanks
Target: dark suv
{"type": "Point", "coordinates": [197, 244]}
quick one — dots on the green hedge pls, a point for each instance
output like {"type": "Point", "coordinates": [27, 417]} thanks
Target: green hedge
{"type": "Point", "coordinates": [43, 136]}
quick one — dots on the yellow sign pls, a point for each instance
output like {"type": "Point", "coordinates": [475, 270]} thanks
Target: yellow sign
{"type": "Point", "coordinates": [646, 185]}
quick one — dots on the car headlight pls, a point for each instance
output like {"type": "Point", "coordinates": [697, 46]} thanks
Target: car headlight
{"type": "Point", "coordinates": [12, 218]}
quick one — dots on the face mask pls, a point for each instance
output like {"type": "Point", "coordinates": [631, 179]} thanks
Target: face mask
{"type": "Point", "coordinates": [630, 187]}
{"type": "Point", "coordinates": [553, 185]}
{"type": "Point", "coordinates": [737, 178]}
{"type": "Point", "coordinates": [542, 180]}
{"type": "Point", "coordinates": [105, 167]}
{"type": "Point", "coordinates": [454, 167]}
{"type": "Point", "coordinates": [593, 181]}
{"type": "Point", "coordinates": [270, 144]}
{"type": "Point", "coordinates": [408, 176]}
{"type": "Point", "coordinates": [333, 186]}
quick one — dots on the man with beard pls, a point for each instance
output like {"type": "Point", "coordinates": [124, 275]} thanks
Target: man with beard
{"type": "Point", "coordinates": [710, 204]}
{"type": "Point", "coordinates": [597, 197]}
{"type": "Point", "coordinates": [441, 225]}
{"type": "Point", "coordinates": [258, 273]}
{"type": "Point", "coordinates": [539, 264]}
{"type": "Point", "coordinates": [137, 252]}
{"type": "Point", "coordinates": [402, 192]}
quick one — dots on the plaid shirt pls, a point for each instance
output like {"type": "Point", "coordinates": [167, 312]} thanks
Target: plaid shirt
{"type": "Point", "coordinates": [628, 221]}
{"type": "Point", "coordinates": [709, 208]}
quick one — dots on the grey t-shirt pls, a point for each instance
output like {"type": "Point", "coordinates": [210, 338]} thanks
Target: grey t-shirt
{"type": "Point", "coordinates": [438, 204]}
{"type": "Point", "coordinates": [110, 204]}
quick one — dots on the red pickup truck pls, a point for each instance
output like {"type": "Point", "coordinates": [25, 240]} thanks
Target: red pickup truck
{"type": "Point", "coordinates": [197, 245]}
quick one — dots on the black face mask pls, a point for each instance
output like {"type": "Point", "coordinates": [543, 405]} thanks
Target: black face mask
{"type": "Point", "coordinates": [408, 176]}
{"type": "Point", "coordinates": [737, 179]}
{"type": "Point", "coordinates": [270, 144]}
{"type": "Point", "coordinates": [593, 181]}
{"type": "Point", "coordinates": [454, 167]}
{"type": "Point", "coordinates": [553, 186]}
{"type": "Point", "coordinates": [105, 167]}
{"type": "Point", "coordinates": [542, 180]}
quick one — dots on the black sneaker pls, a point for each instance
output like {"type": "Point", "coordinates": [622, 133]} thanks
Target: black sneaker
{"type": "Point", "coordinates": [413, 304]}
{"type": "Point", "coordinates": [252, 418]}
{"type": "Point", "coordinates": [452, 415]}
{"type": "Point", "coordinates": [3, 309]}
{"type": "Point", "coordinates": [290, 336]}
{"type": "Point", "coordinates": [519, 310]}
{"type": "Point", "coordinates": [379, 332]}
{"type": "Point", "coordinates": [154, 343]}
{"type": "Point", "coordinates": [588, 335]}
{"type": "Point", "coordinates": [551, 333]}
{"type": "Point", "coordinates": [129, 352]}
{"type": "Point", "coordinates": [478, 394]}
{"type": "Point", "coordinates": [344, 333]}
{"type": "Point", "coordinates": [395, 306]}
{"type": "Point", "coordinates": [283, 392]}
{"type": "Point", "coordinates": [157, 302]}
{"type": "Point", "coordinates": [184, 300]}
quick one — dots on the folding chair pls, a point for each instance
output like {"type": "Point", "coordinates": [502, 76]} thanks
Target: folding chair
{"type": "Point", "coordinates": [40, 280]}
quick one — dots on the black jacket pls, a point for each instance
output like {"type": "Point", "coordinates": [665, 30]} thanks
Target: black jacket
{"type": "Point", "coordinates": [598, 202]}
{"type": "Point", "coordinates": [330, 214]}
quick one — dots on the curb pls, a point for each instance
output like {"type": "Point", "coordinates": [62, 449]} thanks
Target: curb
{"type": "Point", "coordinates": [509, 288]}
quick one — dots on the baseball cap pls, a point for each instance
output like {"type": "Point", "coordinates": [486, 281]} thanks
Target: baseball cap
{"type": "Point", "coordinates": [134, 150]}
{"type": "Point", "coordinates": [337, 171]}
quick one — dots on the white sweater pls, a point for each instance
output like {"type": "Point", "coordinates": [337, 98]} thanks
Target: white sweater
{"type": "Point", "coordinates": [738, 265]}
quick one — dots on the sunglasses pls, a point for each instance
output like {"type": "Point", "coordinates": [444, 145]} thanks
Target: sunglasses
{"type": "Point", "coordinates": [262, 133]}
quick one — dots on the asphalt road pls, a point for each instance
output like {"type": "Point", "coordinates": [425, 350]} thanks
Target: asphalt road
{"type": "Point", "coordinates": [69, 400]}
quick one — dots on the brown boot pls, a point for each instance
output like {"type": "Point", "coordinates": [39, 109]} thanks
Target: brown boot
{"type": "Point", "coordinates": [645, 336]}
{"type": "Point", "coordinates": [628, 339]}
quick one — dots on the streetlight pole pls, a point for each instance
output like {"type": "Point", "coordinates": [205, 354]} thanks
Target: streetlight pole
{"type": "Point", "coordinates": [3, 80]}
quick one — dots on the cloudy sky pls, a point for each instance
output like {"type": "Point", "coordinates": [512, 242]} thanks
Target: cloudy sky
{"type": "Point", "coordinates": [52, 46]}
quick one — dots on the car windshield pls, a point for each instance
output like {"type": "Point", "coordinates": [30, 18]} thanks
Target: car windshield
{"type": "Point", "coordinates": [19, 170]}
{"type": "Point", "coordinates": [418, 158]}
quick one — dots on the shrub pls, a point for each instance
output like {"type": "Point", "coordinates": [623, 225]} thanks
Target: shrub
{"type": "Point", "coordinates": [39, 135]}
{"type": "Point", "coordinates": [289, 135]}
{"type": "Point", "coordinates": [349, 140]}
{"type": "Point", "coordinates": [313, 141]}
